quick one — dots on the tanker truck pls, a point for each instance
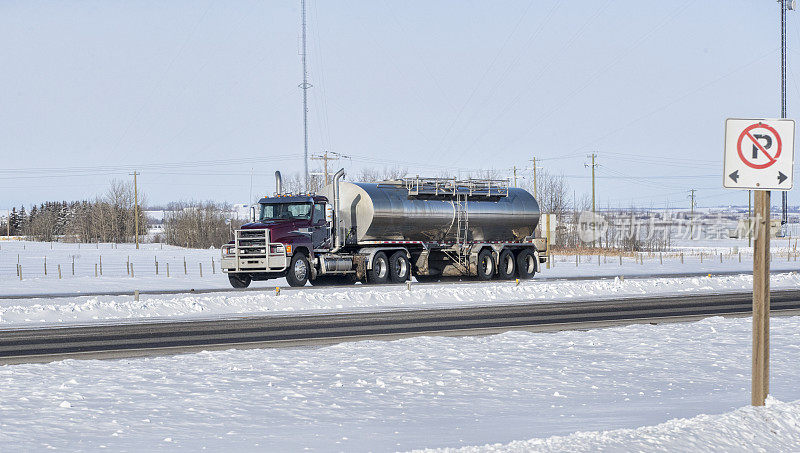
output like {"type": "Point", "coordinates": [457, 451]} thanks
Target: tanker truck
{"type": "Point", "coordinates": [387, 232]}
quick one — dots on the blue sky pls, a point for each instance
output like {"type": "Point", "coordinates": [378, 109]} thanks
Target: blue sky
{"type": "Point", "coordinates": [196, 95]}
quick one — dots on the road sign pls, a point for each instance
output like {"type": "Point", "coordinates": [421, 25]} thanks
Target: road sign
{"type": "Point", "coordinates": [759, 154]}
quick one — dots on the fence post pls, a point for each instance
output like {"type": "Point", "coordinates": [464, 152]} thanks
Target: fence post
{"type": "Point", "coordinates": [185, 272]}
{"type": "Point", "coordinates": [45, 265]}
{"type": "Point", "coordinates": [167, 269]}
{"type": "Point", "coordinates": [95, 270]}
{"type": "Point", "coordinates": [214, 271]}
{"type": "Point", "coordinates": [19, 266]}
{"type": "Point", "coordinates": [620, 258]}
{"type": "Point", "coordinates": [720, 257]}
{"type": "Point", "coordinates": [740, 257]}
{"type": "Point", "coordinates": [576, 260]}
{"type": "Point", "coordinates": [681, 257]}
{"type": "Point", "coordinates": [59, 272]}
{"type": "Point", "coordinates": [156, 267]}
{"type": "Point", "coordinates": [701, 257]}
{"type": "Point", "coordinates": [660, 257]}
{"type": "Point", "coordinates": [73, 265]}
{"type": "Point", "coordinates": [201, 269]}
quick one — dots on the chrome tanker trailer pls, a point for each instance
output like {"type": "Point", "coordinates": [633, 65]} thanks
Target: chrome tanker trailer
{"type": "Point", "coordinates": [389, 231]}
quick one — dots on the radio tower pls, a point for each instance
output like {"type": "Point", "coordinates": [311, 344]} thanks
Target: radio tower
{"type": "Point", "coordinates": [305, 86]}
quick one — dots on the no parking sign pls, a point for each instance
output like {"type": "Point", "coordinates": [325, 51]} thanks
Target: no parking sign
{"type": "Point", "coordinates": [759, 154]}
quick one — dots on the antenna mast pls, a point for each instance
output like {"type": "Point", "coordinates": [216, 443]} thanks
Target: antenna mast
{"type": "Point", "coordinates": [305, 86]}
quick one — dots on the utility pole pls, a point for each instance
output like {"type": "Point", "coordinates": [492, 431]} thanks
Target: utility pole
{"type": "Point", "coordinates": [136, 208]}
{"type": "Point", "coordinates": [594, 165]}
{"type": "Point", "coordinates": [691, 213]}
{"type": "Point", "coordinates": [324, 158]}
{"type": "Point", "coordinates": [784, 5]}
{"type": "Point", "coordinates": [535, 192]}
{"type": "Point", "coordinates": [305, 86]}
{"type": "Point", "coordinates": [515, 176]}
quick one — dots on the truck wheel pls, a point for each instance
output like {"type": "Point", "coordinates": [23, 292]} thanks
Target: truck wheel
{"type": "Point", "coordinates": [297, 275]}
{"type": "Point", "coordinates": [380, 269]}
{"type": "Point", "coordinates": [526, 264]}
{"type": "Point", "coordinates": [485, 265]}
{"type": "Point", "coordinates": [399, 267]}
{"type": "Point", "coordinates": [507, 265]}
{"type": "Point", "coordinates": [240, 280]}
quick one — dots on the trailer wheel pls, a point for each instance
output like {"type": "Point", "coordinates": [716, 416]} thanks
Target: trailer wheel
{"type": "Point", "coordinates": [380, 269]}
{"type": "Point", "coordinates": [507, 265]}
{"type": "Point", "coordinates": [400, 267]}
{"type": "Point", "coordinates": [297, 274]}
{"type": "Point", "coordinates": [526, 264]}
{"type": "Point", "coordinates": [240, 280]}
{"type": "Point", "coordinates": [485, 265]}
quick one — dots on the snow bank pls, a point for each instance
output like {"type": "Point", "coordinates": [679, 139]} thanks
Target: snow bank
{"type": "Point", "coordinates": [775, 427]}
{"type": "Point", "coordinates": [16, 313]}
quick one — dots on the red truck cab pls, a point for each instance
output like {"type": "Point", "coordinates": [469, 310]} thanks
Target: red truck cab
{"type": "Point", "coordinates": [280, 242]}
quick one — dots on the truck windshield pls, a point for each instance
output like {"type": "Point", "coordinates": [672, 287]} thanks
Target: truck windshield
{"type": "Point", "coordinates": [285, 211]}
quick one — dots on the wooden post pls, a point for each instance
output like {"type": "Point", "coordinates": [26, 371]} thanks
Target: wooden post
{"type": "Point", "coordinates": [95, 270]}
{"type": "Point", "coordinates": [620, 259]}
{"type": "Point", "coordinates": [720, 257]}
{"type": "Point", "coordinates": [761, 258]}
{"type": "Point", "coordinates": [167, 269]}
{"type": "Point", "coordinates": [740, 257]}
{"type": "Point", "coordinates": [681, 257]}
{"type": "Point", "coordinates": [185, 272]}
{"type": "Point", "coordinates": [19, 266]}
{"type": "Point", "coordinates": [73, 265]}
{"type": "Point", "coordinates": [661, 257]}
{"type": "Point", "coordinates": [45, 265]}
{"type": "Point", "coordinates": [59, 272]}
{"type": "Point", "coordinates": [201, 269]}
{"type": "Point", "coordinates": [576, 260]}
{"type": "Point", "coordinates": [156, 267]}
{"type": "Point", "coordinates": [214, 271]}
{"type": "Point", "coordinates": [701, 257]}
{"type": "Point", "coordinates": [598, 259]}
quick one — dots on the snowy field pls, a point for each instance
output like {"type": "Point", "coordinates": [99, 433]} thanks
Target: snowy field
{"type": "Point", "coordinates": [425, 392]}
{"type": "Point", "coordinates": [39, 312]}
{"type": "Point", "coordinates": [114, 274]}
{"type": "Point", "coordinates": [546, 287]}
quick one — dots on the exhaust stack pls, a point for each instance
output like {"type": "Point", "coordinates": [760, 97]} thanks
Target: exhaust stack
{"type": "Point", "coordinates": [338, 234]}
{"type": "Point", "coordinates": [278, 183]}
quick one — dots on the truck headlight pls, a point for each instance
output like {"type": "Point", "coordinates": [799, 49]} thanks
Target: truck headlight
{"type": "Point", "coordinates": [228, 250]}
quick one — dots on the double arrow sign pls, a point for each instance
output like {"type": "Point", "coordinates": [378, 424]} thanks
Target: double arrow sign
{"type": "Point", "coordinates": [781, 177]}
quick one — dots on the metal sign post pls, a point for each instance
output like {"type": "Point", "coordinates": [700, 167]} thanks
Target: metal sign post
{"type": "Point", "coordinates": [759, 155]}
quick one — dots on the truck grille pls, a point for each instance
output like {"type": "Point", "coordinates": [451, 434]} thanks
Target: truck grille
{"type": "Point", "coordinates": [252, 243]}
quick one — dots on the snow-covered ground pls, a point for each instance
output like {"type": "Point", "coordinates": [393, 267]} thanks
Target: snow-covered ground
{"type": "Point", "coordinates": [115, 259]}
{"type": "Point", "coordinates": [425, 392]}
{"type": "Point", "coordinates": [82, 309]}
{"type": "Point", "coordinates": [40, 312]}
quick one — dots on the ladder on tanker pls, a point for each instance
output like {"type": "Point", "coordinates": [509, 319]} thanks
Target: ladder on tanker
{"type": "Point", "coordinates": [462, 228]}
{"type": "Point", "coordinates": [450, 188]}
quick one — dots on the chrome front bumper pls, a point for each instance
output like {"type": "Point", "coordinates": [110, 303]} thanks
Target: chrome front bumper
{"type": "Point", "coordinates": [254, 253]}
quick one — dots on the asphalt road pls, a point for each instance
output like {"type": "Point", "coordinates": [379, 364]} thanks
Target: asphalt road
{"type": "Point", "coordinates": [169, 337]}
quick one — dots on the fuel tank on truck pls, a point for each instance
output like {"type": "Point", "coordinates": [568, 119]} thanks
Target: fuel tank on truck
{"type": "Point", "coordinates": [394, 211]}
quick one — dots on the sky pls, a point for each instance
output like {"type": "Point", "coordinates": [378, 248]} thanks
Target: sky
{"type": "Point", "coordinates": [201, 97]}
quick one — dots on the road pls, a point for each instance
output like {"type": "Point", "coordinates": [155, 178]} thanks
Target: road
{"type": "Point", "coordinates": [169, 337]}
{"type": "Point", "coordinates": [157, 292]}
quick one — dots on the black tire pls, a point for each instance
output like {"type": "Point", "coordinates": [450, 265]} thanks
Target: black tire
{"type": "Point", "coordinates": [486, 265]}
{"type": "Point", "coordinates": [526, 264]}
{"type": "Point", "coordinates": [380, 269]}
{"type": "Point", "coordinates": [297, 274]}
{"type": "Point", "coordinates": [399, 267]}
{"type": "Point", "coordinates": [507, 265]}
{"type": "Point", "coordinates": [240, 280]}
